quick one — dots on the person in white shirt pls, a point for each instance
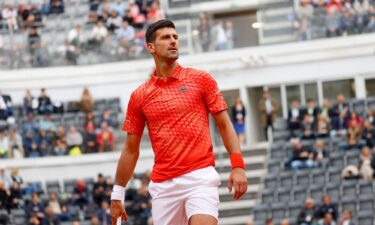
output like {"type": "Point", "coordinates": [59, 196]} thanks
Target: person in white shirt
{"type": "Point", "coordinates": [10, 15]}
{"type": "Point", "coordinates": [75, 36]}
{"type": "Point", "coordinates": [99, 33]}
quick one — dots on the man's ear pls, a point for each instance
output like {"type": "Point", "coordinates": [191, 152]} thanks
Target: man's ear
{"type": "Point", "coordinates": [151, 47]}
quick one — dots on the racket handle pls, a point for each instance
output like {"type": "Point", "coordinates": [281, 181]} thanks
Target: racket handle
{"type": "Point", "coordinates": [118, 221]}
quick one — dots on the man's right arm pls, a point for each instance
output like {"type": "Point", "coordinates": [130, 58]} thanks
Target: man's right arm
{"type": "Point", "coordinates": [125, 168]}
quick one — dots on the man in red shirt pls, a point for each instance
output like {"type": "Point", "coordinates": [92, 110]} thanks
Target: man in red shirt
{"type": "Point", "coordinates": [175, 103]}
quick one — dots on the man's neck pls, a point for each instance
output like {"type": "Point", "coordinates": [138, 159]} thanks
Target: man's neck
{"type": "Point", "coordinates": [164, 69]}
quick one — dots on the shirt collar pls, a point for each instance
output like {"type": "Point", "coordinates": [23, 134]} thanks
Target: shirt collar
{"type": "Point", "coordinates": [176, 74]}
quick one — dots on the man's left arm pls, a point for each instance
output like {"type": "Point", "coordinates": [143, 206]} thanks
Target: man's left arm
{"type": "Point", "coordinates": [237, 178]}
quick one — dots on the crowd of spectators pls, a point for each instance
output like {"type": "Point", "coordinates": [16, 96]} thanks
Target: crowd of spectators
{"type": "Point", "coordinates": [117, 34]}
{"type": "Point", "coordinates": [35, 134]}
{"type": "Point", "coordinates": [324, 213]}
{"type": "Point", "coordinates": [86, 200]}
{"type": "Point", "coordinates": [354, 132]}
{"type": "Point", "coordinates": [332, 18]}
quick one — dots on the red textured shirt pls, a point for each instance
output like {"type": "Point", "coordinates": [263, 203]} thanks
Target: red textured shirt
{"type": "Point", "coordinates": [176, 113]}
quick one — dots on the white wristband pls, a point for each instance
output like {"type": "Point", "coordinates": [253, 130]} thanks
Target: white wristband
{"type": "Point", "coordinates": [118, 193]}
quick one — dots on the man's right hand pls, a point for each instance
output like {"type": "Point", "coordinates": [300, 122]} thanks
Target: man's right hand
{"type": "Point", "coordinates": [117, 210]}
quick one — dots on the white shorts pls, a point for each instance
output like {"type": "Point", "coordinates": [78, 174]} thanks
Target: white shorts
{"type": "Point", "coordinates": [175, 201]}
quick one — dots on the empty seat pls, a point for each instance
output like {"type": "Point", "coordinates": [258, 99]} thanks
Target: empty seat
{"type": "Point", "coordinates": [349, 188]}
{"type": "Point", "coordinates": [268, 196]}
{"type": "Point", "coordinates": [366, 218]}
{"type": "Point", "coordinates": [53, 186]}
{"type": "Point", "coordinates": [261, 212]}
{"type": "Point", "coordinates": [366, 202]}
{"type": "Point", "coordinates": [278, 210]}
{"type": "Point", "coordinates": [318, 176]}
{"type": "Point", "coordinates": [286, 179]}
{"type": "Point", "coordinates": [281, 124]}
{"type": "Point", "coordinates": [18, 216]}
{"type": "Point", "coordinates": [371, 103]}
{"type": "Point", "coordinates": [359, 106]}
{"type": "Point", "coordinates": [274, 166]}
{"type": "Point", "coordinates": [333, 190]}
{"type": "Point", "coordinates": [302, 178]}
{"type": "Point", "coordinates": [352, 158]}
{"type": "Point", "coordinates": [294, 208]}
{"type": "Point", "coordinates": [284, 195]}
{"type": "Point", "coordinates": [299, 193]}
{"type": "Point", "coordinates": [349, 203]}
{"type": "Point", "coordinates": [271, 181]}
{"type": "Point", "coordinates": [336, 160]}
{"type": "Point", "coordinates": [69, 185]}
{"type": "Point", "coordinates": [316, 192]}
{"type": "Point", "coordinates": [334, 175]}
{"type": "Point", "coordinates": [365, 187]}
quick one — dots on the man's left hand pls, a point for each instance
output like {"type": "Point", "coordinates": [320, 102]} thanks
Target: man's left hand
{"type": "Point", "coordinates": [238, 180]}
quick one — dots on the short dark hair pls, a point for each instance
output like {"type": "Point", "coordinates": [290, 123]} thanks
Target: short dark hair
{"type": "Point", "coordinates": [151, 30]}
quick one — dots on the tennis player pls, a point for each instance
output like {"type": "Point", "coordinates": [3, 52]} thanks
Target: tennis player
{"type": "Point", "coordinates": [175, 103]}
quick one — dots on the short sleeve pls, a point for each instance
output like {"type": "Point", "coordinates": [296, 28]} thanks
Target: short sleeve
{"type": "Point", "coordinates": [212, 96]}
{"type": "Point", "coordinates": [134, 121]}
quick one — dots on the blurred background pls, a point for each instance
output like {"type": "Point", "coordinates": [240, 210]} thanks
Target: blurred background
{"type": "Point", "coordinates": [298, 77]}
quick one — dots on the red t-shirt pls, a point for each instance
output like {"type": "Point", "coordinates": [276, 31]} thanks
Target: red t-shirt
{"type": "Point", "coordinates": [176, 113]}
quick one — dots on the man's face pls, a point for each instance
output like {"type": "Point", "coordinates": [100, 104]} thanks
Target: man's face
{"type": "Point", "coordinates": [165, 44]}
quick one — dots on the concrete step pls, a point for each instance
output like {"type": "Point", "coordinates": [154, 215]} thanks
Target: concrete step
{"type": "Point", "coordinates": [279, 32]}
{"type": "Point", "coordinates": [278, 39]}
{"type": "Point", "coordinates": [277, 25]}
{"type": "Point", "coordinates": [279, 11]}
{"type": "Point", "coordinates": [275, 5]}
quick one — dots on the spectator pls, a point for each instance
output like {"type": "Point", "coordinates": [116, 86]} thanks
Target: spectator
{"type": "Point", "coordinates": [305, 15]}
{"type": "Point", "coordinates": [340, 124]}
{"type": "Point", "coordinates": [50, 217]}
{"type": "Point", "coordinates": [128, 15]}
{"type": "Point", "coordinates": [119, 6]}
{"type": "Point", "coordinates": [46, 124]}
{"type": "Point", "coordinates": [89, 118]}
{"type": "Point", "coordinates": [16, 150]}
{"type": "Point", "coordinates": [75, 37]}
{"type": "Point", "coordinates": [319, 20]}
{"type": "Point", "coordinates": [34, 220]}
{"type": "Point", "coordinates": [347, 218]}
{"type": "Point", "coordinates": [69, 52]}
{"type": "Point", "coordinates": [35, 207]}
{"type": "Point", "coordinates": [34, 42]}
{"type": "Point", "coordinates": [219, 38]}
{"type": "Point", "coordinates": [353, 137]}
{"type": "Point", "coordinates": [327, 207]}
{"type": "Point", "coordinates": [142, 206]}
{"type": "Point", "coordinates": [44, 103]}
{"type": "Point", "coordinates": [93, 9]}
{"type": "Point", "coordinates": [74, 138]}
{"type": "Point", "coordinates": [347, 22]}
{"type": "Point", "coordinates": [155, 13]}
{"type": "Point", "coordinates": [307, 215]}
{"type": "Point", "coordinates": [89, 139]}
{"type": "Point", "coordinates": [370, 116]}
{"type": "Point", "coordinates": [99, 33]}
{"type": "Point", "coordinates": [16, 177]}
{"type": "Point", "coordinates": [326, 109]}
{"type": "Point", "coordinates": [10, 15]}
{"type": "Point", "coordinates": [30, 104]}
{"type": "Point", "coordinates": [54, 203]}
{"type": "Point", "coordinates": [61, 148]}
{"type": "Point", "coordinates": [105, 138]}
{"type": "Point", "coordinates": [368, 133]}
{"type": "Point", "coordinates": [284, 222]}
{"type": "Point", "coordinates": [328, 220]}
{"type": "Point", "coordinates": [106, 117]}
{"type": "Point", "coordinates": [302, 157]}
{"type": "Point", "coordinates": [204, 32]}
{"type": "Point", "coordinates": [5, 178]}
{"type": "Point", "coordinates": [229, 31]}
{"type": "Point", "coordinates": [308, 127]}
{"type": "Point", "coordinates": [269, 221]}
{"type": "Point", "coordinates": [15, 196]}
{"type": "Point", "coordinates": [114, 21]}
{"type": "Point", "coordinates": [323, 127]}
{"type": "Point", "coordinates": [4, 145]}
{"type": "Point", "coordinates": [80, 194]}
{"type": "Point", "coordinates": [86, 101]}
{"type": "Point", "coordinates": [6, 107]}
{"type": "Point", "coordinates": [238, 118]}
{"type": "Point", "coordinates": [34, 151]}
{"type": "Point", "coordinates": [103, 213]}
{"type": "Point", "coordinates": [56, 7]}
{"type": "Point", "coordinates": [366, 169]}
{"type": "Point", "coordinates": [355, 120]}
{"type": "Point", "coordinates": [126, 36]}
{"type": "Point", "coordinates": [95, 220]}
{"type": "Point", "coordinates": [333, 19]}
{"type": "Point", "coordinates": [311, 110]}
{"type": "Point", "coordinates": [268, 109]}
{"type": "Point", "coordinates": [4, 195]}
{"type": "Point", "coordinates": [294, 117]}
{"type": "Point", "coordinates": [320, 152]}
